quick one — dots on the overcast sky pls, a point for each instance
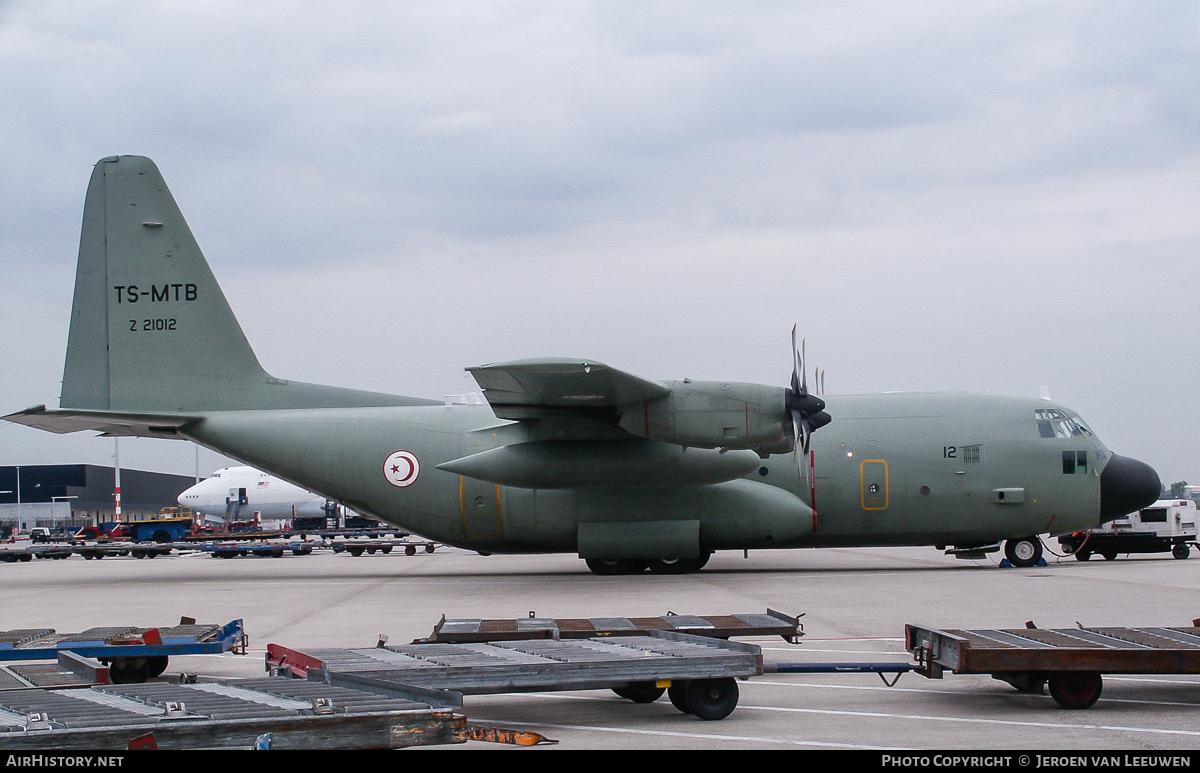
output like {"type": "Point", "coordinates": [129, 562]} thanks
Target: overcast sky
{"type": "Point", "coordinates": [988, 196]}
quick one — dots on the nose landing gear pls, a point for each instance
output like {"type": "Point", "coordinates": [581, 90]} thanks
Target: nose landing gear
{"type": "Point", "coordinates": [1024, 552]}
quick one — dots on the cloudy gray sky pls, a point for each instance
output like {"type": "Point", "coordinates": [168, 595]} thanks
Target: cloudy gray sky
{"type": "Point", "coordinates": [972, 196]}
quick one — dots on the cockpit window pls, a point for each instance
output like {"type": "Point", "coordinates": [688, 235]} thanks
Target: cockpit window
{"type": "Point", "coordinates": [1055, 423]}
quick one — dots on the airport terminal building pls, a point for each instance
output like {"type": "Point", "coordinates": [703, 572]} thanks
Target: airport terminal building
{"type": "Point", "coordinates": [74, 495]}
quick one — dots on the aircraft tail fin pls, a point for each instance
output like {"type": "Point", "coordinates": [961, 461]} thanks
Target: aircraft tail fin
{"type": "Point", "coordinates": [151, 330]}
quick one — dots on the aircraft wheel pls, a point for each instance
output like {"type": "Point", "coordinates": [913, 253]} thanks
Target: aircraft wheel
{"type": "Point", "coordinates": [640, 692]}
{"type": "Point", "coordinates": [1180, 551]}
{"type": "Point", "coordinates": [677, 693]}
{"type": "Point", "coordinates": [1024, 552]}
{"type": "Point", "coordinates": [614, 566]}
{"type": "Point", "coordinates": [711, 699]}
{"type": "Point", "coordinates": [673, 565]}
{"type": "Point", "coordinates": [1075, 689]}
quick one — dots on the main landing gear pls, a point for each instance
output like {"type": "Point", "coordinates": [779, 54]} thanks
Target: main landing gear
{"type": "Point", "coordinates": [614, 566]}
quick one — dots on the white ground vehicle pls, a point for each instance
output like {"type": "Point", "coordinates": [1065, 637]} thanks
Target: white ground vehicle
{"type": "Point", "coordinates": [1167, 525]}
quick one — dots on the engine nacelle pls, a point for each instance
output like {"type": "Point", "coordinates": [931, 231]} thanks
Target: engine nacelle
{"type": "Point", "coordinates": [714, 414]}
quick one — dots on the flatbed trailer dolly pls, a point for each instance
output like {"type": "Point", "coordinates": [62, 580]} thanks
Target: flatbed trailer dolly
{"type": "Point", "coordinates": [131, 654]}
{"type": "Point", "coordinates": [1070, 661]}
{"type": "Point", "coordinates": [87, 550]}
{"type": "Point", "coordinates": [359, 545]}
{"type": "Point", "coordinates": [698, 673]}
{"type": "Point", "coordinates": [715, 626]}
{"type": "Point", "coordinates": [261, 713]}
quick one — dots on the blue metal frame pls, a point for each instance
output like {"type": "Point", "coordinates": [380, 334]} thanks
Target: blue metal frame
{"type": "Point", "coordinates": [228, 637]}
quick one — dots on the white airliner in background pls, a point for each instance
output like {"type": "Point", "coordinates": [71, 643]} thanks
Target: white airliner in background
{"type": "Point", "coordinates": [239, 492]}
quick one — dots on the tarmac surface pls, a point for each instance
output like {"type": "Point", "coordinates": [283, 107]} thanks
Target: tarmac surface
{"type": "Point", "coordinates": [855, 605]}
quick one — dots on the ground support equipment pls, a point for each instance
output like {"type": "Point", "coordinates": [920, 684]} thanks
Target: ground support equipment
{"type": "Point", "coordinates": [715, 626]}
{"type": "Point", "coordinates": [132, 654]}
{"type": "Point", "coordinates": [701, 672]}
{"type": "Point", "coordinates": [245, 713]}
{"type": "Point", "coordinates": [1070, 661]}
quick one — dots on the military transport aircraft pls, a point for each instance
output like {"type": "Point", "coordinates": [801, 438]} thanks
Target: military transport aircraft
{"type": "Point", "coordinates": [567, 455]}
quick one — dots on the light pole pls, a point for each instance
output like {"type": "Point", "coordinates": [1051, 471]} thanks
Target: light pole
{"type": "Point", "coordinates": [18, 519]}
{"type": "Point", "coordinates": [54, 501]}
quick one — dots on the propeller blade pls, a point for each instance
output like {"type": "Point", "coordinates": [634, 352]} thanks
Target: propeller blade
{"type": "Point", "coordinates": [798, 434]}
{"type": "Point", "coordinates": [807, 410]}
{"type": "Point", "coordinates": [797, 365]}
{"type": "Point", "coordinates": [804, 373]}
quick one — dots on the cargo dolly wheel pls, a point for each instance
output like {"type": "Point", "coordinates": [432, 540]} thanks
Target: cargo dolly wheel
{"type": "Point", "coordinates": [135, 670]}
{"type": "Point", "coordinates": [708, 699]}
{"type": "Point", "coordinates": [677, 693]}
{"type": "Point", "coordinates": [1075, 689]}
{"type": "Point", "coordinates": [640, 692]}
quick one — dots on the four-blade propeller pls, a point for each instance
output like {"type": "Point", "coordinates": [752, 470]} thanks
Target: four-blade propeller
{"type": "Point", "coordinates": [807, 410]}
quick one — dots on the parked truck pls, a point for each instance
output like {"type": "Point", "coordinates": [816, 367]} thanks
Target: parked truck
{"type": "Point", "coordinates": [1169, 525]}
{"type": "Point", "coordinates": [162, 530]}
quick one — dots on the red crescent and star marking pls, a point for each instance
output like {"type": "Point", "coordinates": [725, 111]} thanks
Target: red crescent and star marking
{"type": "Point", "coordinates": [401, 469]}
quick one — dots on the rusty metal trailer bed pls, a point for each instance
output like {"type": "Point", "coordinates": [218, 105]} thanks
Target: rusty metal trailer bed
{"type": "Point", "coordinates": [1070, 661]}
{"type": "Point", "coordinates": [715, 626]}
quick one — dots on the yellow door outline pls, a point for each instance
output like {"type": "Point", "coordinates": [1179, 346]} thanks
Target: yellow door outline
{"type": "Point", "coordinates": [462, 509]}
{"type": "Point", "coordinates": [862, 483]}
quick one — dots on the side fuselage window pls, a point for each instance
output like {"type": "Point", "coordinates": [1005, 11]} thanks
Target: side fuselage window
{"type": "Point", "coordinates": [1074, 462]}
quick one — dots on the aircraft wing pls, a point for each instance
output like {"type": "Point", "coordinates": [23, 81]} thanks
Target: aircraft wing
{"type": "Point", "coordinates": [526, 389]}
{"type": "Point", "coordinates": [111, 423]}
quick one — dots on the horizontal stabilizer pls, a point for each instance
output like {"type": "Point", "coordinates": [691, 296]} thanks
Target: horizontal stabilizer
{"type": "Point", "coordinates": [113, 423]}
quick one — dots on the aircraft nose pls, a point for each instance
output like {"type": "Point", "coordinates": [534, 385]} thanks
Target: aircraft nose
{"type": "Point", "coordinates": [1126, 485]}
